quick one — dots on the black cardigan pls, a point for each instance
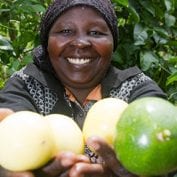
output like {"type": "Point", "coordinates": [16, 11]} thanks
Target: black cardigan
{"type": "Point", "coordinates": [36, 90]}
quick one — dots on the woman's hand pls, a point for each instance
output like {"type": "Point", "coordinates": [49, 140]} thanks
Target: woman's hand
{"type": "Point", "coordinates": [4, 112]}
{"type": "Point", "coordinates": [59, 167]}
{"type": "Point", "coordinates": [110, 167]}
{"type": "Point", "coordinates": [7, 173]}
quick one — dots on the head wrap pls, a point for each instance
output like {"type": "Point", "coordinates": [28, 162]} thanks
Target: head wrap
{"type": "Point", "coordinates": [104, 7]}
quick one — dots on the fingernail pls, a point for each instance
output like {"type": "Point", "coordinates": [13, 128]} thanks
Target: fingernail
{"type": "Point", "coordinates": [92, 143]}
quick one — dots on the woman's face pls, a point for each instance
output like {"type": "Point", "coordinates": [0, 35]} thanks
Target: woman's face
{"type": "Point", "coordinates": [80, 46]}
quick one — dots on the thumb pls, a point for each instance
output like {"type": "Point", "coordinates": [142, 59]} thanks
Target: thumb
{"type": "Point", "coordinates": [4, 112]}
{"type": "Point", "coordinates": [108, 155]}
{"type": "Point", "coordinates": [8, 173]}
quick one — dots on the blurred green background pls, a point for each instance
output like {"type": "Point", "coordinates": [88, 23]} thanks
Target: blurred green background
{"type": "Point", "coordinates": [147, 37]}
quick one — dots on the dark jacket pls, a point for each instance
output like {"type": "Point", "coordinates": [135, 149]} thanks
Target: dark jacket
{"type": "Point", "coordinates": [39, 91]}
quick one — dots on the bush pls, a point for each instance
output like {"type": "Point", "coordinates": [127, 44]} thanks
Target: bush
{"type": "Point", "coordinates": [147, 37]}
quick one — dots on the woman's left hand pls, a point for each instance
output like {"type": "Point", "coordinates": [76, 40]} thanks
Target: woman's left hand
{"type": "Point", "coordinates": [110, 167]}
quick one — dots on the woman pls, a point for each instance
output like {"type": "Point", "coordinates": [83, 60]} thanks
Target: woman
{"type": "Point", "coordinates": [71, 71]}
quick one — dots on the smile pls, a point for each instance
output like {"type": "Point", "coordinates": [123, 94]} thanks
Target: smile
{"type": "Point", "coordinates": [78, 61]}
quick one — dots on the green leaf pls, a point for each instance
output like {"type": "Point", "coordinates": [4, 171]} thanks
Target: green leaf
{"type": "Point", "coordinates": [159, 39]}
{"type": "Point", "coordinates": [122, 2]}
{"type": "Point", "coordinates": [27, 59]}
{"type": "Point", "coordinates": [169, 4]}
{"type": "Point", "coordinates": [173, 60]}
{"type": "Point", "coordinates": [170, 20]}
{"type": "Point", "coordinates": [134, 16]}
{"type": "Point", "coordinates": [5, 44]}
{"type": "Point", "coordinates": [171, 79]}
{"type": "Point", "coordinates": [148, 60]}
{"type": "Point", "coordinates": [38, 8]}
{"type": "Point", "coordinates": [161, 31]}
{"type": "Point", "coordinates": [140, 34]}
{"type": "Point", "coordinates": [4, 10]}
{"type": "Point", "coordinates": [148, 6]}
{"type": "Point", "coordinates": [172, 43]}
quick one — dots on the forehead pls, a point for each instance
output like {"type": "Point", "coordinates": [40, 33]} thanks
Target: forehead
{"type": "Point", "coordinates": [81, 11]}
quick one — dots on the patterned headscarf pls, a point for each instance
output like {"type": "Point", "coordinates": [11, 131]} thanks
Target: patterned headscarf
{"type": "Point", "coordinates": [104, 7]}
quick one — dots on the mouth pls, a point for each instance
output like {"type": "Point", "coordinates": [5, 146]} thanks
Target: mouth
{"type": "Point", "coordinates": [79, 61]}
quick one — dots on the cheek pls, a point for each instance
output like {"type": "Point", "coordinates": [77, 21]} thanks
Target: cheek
{"type": "Point", "coordinates": [54, 47]}
{"type": "Point", "coordinates": [105, 48]}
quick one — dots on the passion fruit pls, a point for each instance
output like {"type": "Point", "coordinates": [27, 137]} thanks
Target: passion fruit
{"type": "Point", "coordinates": [146, 137]}
{"type": "Point", "coordinates": [102, 117]}
{"type": "Point", "coordinates": [66, 134]}
{"type": "Point", "coordinates": [26, 142]}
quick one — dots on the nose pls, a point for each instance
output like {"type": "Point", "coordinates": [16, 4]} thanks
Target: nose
{"type": "Point", "coordinates": [81, 42]}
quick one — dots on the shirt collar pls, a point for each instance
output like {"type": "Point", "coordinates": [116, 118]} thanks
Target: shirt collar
{"type": "Point", "coordinates": [95, 95]}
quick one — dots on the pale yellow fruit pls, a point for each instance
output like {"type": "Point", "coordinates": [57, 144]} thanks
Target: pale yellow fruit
{"type": "Point", "coordinates": [66, 133]}
{"type": "Point", "coordinates": [102, 118]}
{"type": "Point", "coordinates": [25, 141]}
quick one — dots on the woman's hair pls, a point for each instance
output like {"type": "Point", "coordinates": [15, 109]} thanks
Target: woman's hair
{"type": "Point", "coordinates": [104, 7]}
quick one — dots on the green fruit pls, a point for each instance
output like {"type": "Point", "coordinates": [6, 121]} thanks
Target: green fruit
{"type": "Point", "coordinates": [146, 137]}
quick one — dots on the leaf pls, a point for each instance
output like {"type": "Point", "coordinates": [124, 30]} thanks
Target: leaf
{"type": "Point", "coordinates": [162, 32]}
{"type": "Point", "coordinates": [171, 79]}
{"type": "Point", "coordinates": [173, 60]}
{"type": "Point", "coordinates": [169, 5]}
{"type": "Point", "coordinates": [148, 6]}
{"type": "Point", "coordinates": [148, 60]}
{"type": "Point", "coordinates": [38, 8]}
{"type": "Point", "coordinates": [170, 20]}
{"type": "Point", "coordinates": [134, 16]}
{"type": "Point", "coordinates": [172, 43]}
{"type": "Point", "coordinates": [122, 2]}
{"type": "Point", "coordinates": [27, 59]}
{"type": "Point", "coordinates": [159, 39]}
{"type": "Point", "coordinates": [5, 44]}
{"type": "Point", "coordinates": [140, 34]}
{"type": "Point", "coordinates": [4, 10]}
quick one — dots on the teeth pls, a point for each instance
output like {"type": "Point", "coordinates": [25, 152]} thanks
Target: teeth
{"type": "Point", "coordinates": [78, 61]}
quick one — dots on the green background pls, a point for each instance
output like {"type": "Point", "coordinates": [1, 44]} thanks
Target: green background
{"type": "Point", "coordinates": [147, 37]}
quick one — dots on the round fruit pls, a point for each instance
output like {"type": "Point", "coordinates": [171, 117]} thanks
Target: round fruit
{"type": "Point", "coordinates": [66, 133]}
{"type": "Point", "coordinates": [146, 138]}
{"type": "Point", "coordinates": [102, 117]}
{"type": "Point", "coordinates": [25, 141]}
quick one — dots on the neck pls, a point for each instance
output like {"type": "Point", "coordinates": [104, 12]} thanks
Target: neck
{"type": "Point", "coordinates": [80, 94]}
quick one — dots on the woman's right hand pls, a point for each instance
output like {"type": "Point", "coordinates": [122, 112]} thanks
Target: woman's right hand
{"type": "Point", "coordinates": [4, 112]}
{"type": "Point", "coordinates": [60, 166]}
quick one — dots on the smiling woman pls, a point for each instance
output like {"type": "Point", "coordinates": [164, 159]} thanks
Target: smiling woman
{"type": "Point", "coordinates": [76, 45]}
{"type": "Point", "coordinates": [72, 70]}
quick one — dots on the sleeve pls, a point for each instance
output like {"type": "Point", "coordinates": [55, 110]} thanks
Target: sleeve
{"type": "Point", "coordinates": [15, 96]}
{"type": "Point", "coordinates": [147, 88]}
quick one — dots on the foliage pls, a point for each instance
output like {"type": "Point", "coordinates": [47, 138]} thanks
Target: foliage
{"type": "Point", "coordinates": [18, 33]}
{"type": "Point", "coordinates": [147, 37]}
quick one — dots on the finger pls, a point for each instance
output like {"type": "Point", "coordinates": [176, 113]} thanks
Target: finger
{"type": "Point", "coordinates": [8, 173]}
{"type": "Point", "coordinates": [60, 164]}
{"type": "Point", "coordinates": [22, 174]}
{"type": "Point", "coordinates": [83, 169]}
{"type": "Point", "coordinates": [65, 174]}
{"type": "Point", "coordinates": [4, 112]}
{"type": "Point", "coordinates": [68, 159]}
{"type": "Point", "coordinates": [108, 155]}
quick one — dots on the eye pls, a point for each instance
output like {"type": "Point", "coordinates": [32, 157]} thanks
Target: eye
{"type": "Point", "coordinates": [96, 33]}
{"type": "Point", "coordinates": [66, 31]}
